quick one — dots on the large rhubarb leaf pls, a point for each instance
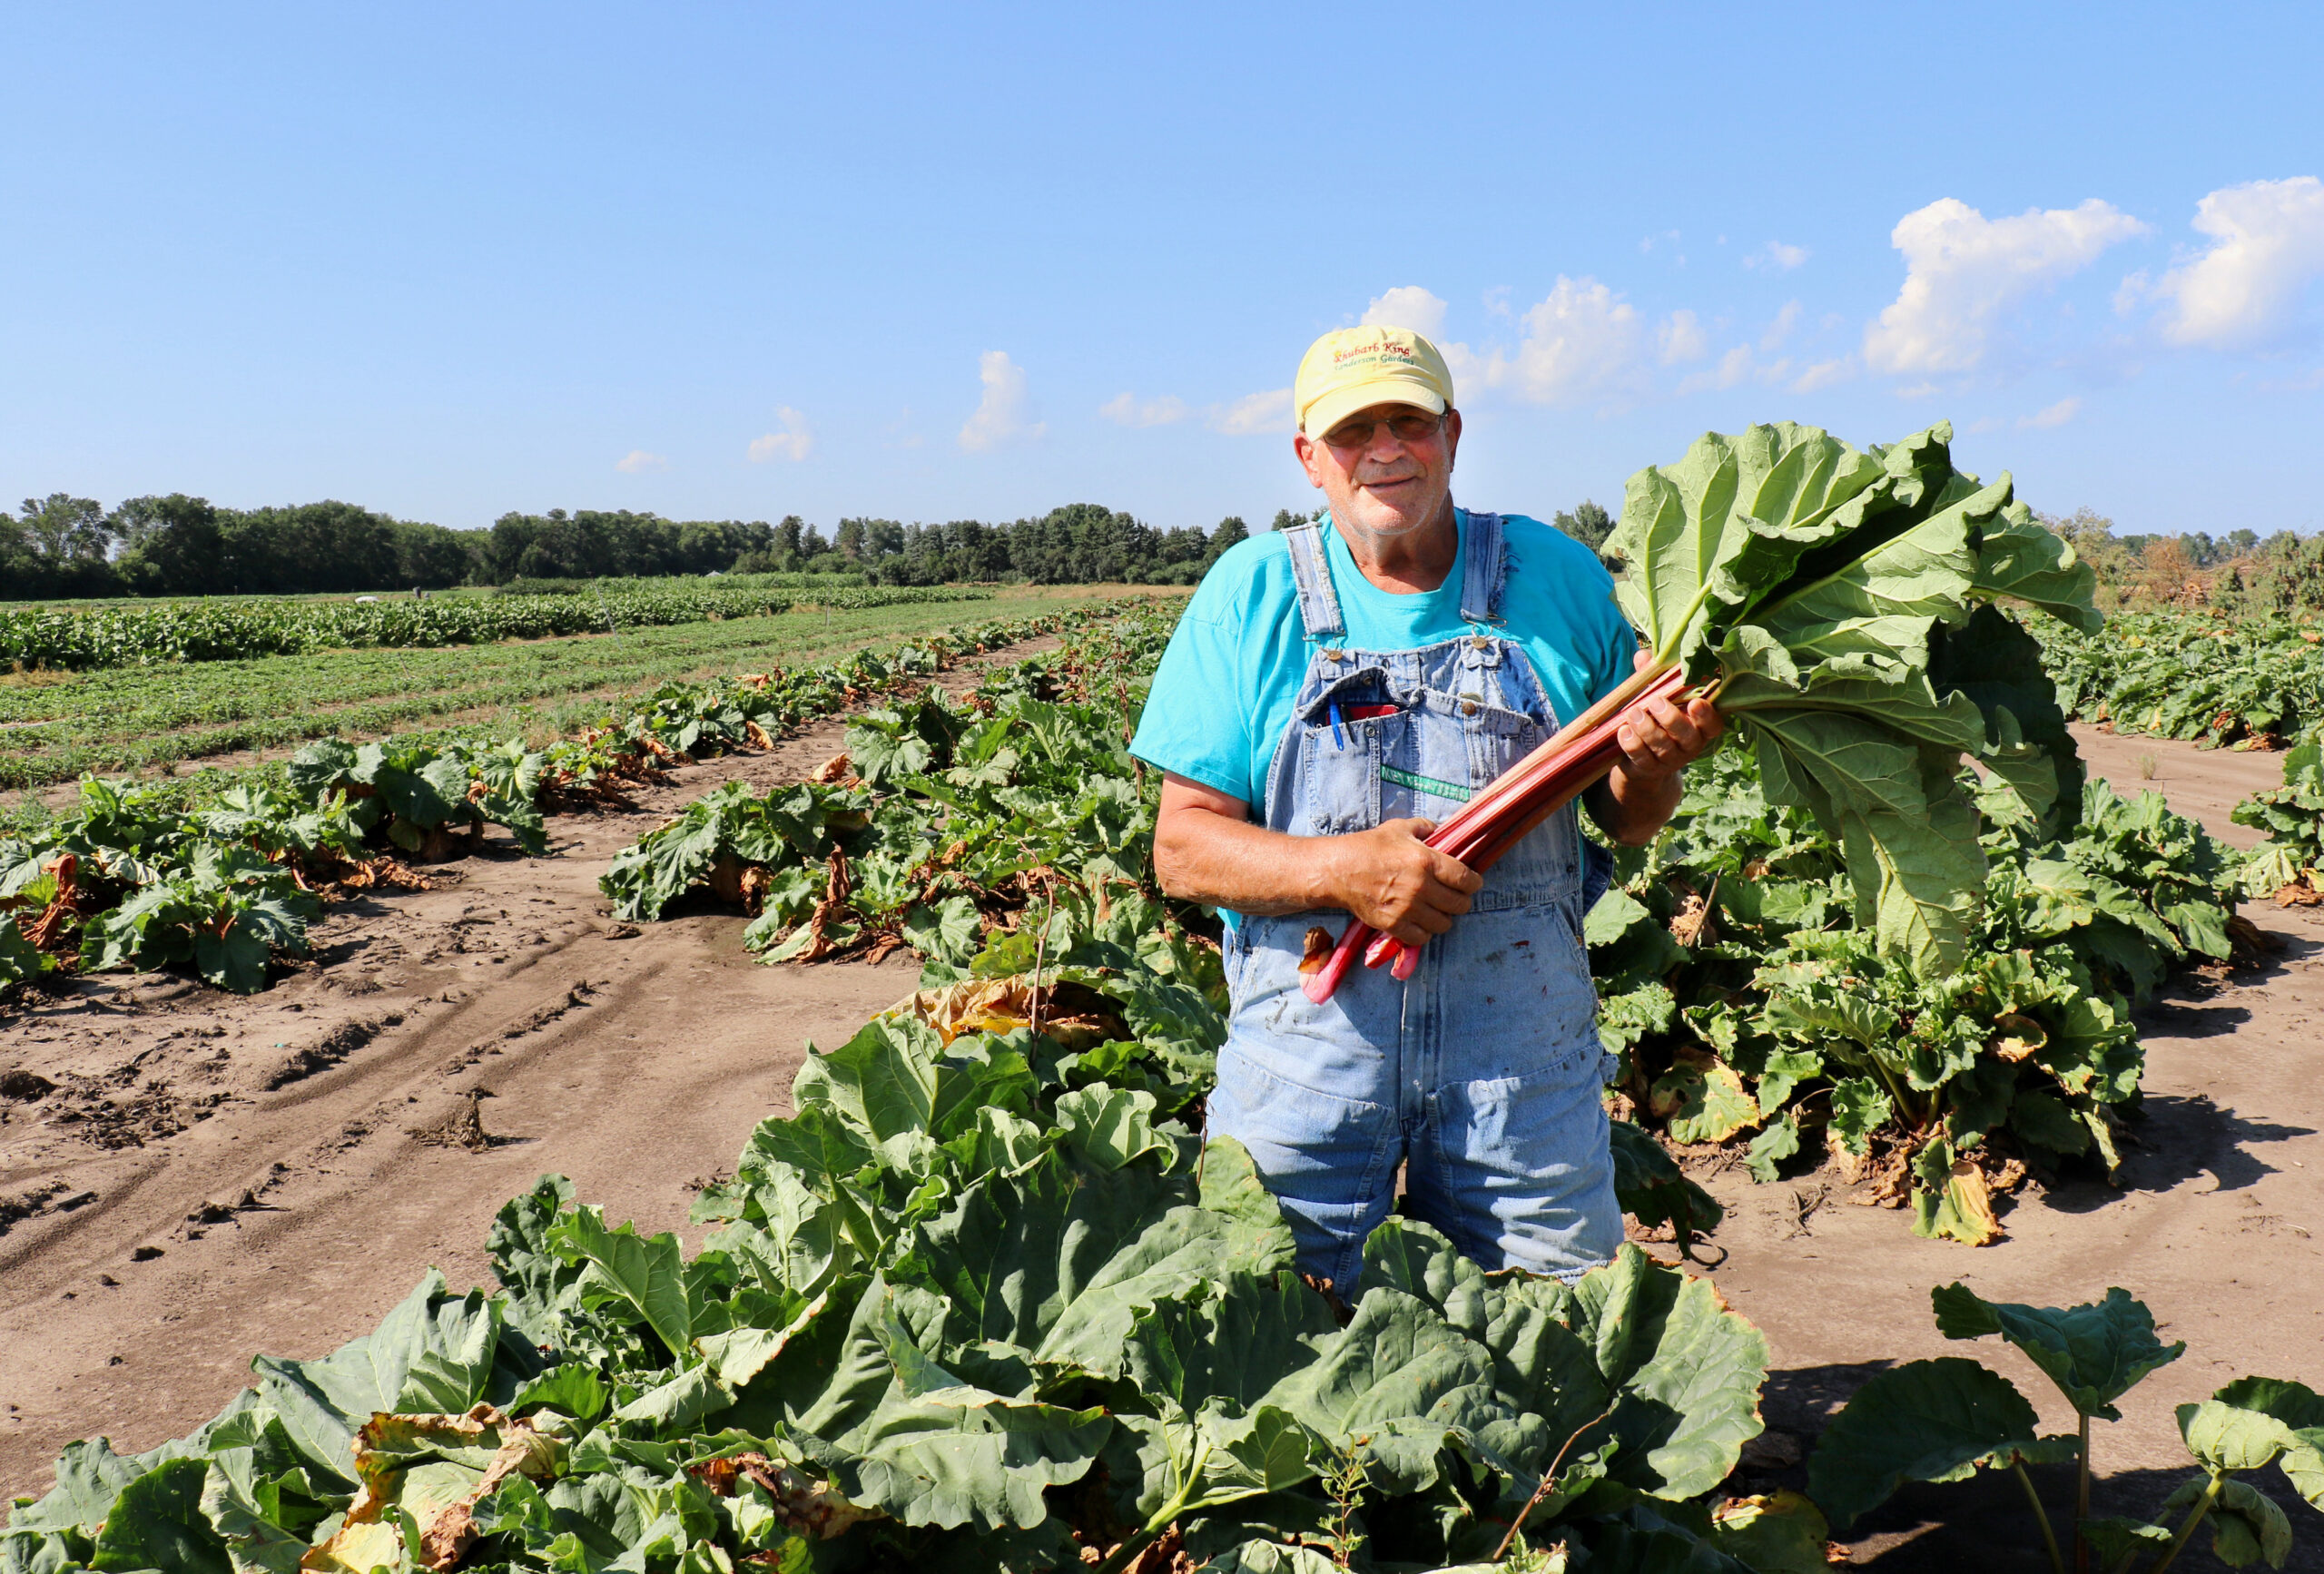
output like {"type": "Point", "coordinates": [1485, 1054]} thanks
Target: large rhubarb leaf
{"type": "Point", "coordinates": [2094, 1354]}
{"type": "Point", "coordinates": [1925, 1421]}
{"type": "Point", "coordinates": [1813, 583]}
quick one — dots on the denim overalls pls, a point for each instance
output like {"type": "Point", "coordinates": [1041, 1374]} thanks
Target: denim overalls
{"type": "Point", "coordinates": [1482, 1072]}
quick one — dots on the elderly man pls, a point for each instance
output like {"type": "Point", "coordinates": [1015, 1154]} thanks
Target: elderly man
{"type": "Point", "coordinates": [1332, 692]}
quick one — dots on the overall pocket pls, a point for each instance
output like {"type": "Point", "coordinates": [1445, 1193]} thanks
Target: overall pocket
{"type": "Point", "coordinates": [1346, 735]}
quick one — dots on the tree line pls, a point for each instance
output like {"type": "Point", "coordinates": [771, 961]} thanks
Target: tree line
{"type": "Point", "coordinates": [2239, 572]}
{"type": "Point", "coordinates": [62, 546]}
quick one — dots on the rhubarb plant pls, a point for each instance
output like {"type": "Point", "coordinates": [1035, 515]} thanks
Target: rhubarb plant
{"type": "Point", "coordinates": [1945, 1420]}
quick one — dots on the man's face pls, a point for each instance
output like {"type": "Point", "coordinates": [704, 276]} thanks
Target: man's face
{"type": "Point", "coordinates": [1386, 469]}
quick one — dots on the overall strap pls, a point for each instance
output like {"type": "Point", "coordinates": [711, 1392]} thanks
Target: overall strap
{"type": "Point", "coordinates": [1319, 607]}
{"type": "Point", "coordinates": [1486, 568]}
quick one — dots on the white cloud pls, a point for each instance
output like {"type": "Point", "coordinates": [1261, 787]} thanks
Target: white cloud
{"type": "Point", "coordinates": [1963, 269]}
{"type": "Point", "coordinates": [1777, 258]}
{"type": "Point", "coordinates": [2267, 244]}
{"type": "Point", "coordinates": [1681, 338]}
{"type": "Point", "coordinates": [1732, 368]}
{"type": "Point", "coordinates": [1579, 344]}
{"type": "Point", "coordinates": [1004, 415]}
{"type": "Point", "coordinates": [1128, 411]}
{"type": "Point", "coordinates": [638, 461]}
{"type": "Point", "coordinates": [2056, 415]}
{"type": "Point", "coordinates": [1253, 413]}
{"type": "Point", "coordinates": [793, 442]}
{"type": "Point", "coordinates": [1780, 329]}
{"type": "Point", "coordinates": [1406, 306]}
{"type": "Point", "coordinates": [1742, 363]}
{"type": "Point", "coordinates": [1823, 374]}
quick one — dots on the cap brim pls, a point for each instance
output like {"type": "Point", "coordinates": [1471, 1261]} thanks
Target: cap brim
{"type": "Point", "coordinates": [1336, 406]}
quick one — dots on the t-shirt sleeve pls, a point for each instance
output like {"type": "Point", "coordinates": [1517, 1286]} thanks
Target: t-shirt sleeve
{"type": "Point", "coordinates": [1195, 723]}
{"type": "Point", "coordinates": [1617, 649]}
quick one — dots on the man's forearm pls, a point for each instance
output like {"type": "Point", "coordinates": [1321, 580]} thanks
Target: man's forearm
{"type": "Point", "coordinates": [1631, 808]}
{"type": "Point", "coordinates": [1232, 863]}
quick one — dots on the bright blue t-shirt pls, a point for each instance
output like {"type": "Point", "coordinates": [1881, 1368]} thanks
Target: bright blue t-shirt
{"type": "Point", "coordinates": [1223, 694]}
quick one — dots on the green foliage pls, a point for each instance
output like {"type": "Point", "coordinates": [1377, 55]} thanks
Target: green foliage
{"type": "Point", "coordinates": [2292, 815]}
{"type": "Point", "coordinates": [232, 631]}
{"type": "Point", "coordinates": [1814, 582]}
{"type": "Point", "coordinates": [133, 878]}
{"type": "Point", "coordinates": [132, 718]}
{"type": "Point", "coordinates": [2209, 678]}
{"type": "Point", "coordinates": [407, 789]}
{"type": "Point", "coordinates": [963, 816]}
{"type": "Point", "coordinates": [1945, 1420]}
{"type": "Point", "coordinates": [1783, 1024]}
{"type": "Point", "coordinates": [226, 913]}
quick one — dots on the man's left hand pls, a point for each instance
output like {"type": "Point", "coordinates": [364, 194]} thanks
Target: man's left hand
{"type": "Point", "coordinates": [1667, 737]}
{"type": "Point", "coordinates": [1639, 795]}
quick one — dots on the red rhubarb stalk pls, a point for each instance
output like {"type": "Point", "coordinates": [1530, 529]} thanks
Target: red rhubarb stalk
{"type": "Point", "coordinates": [1507, 809]}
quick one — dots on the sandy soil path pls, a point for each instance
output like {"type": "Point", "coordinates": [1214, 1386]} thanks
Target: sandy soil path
{"type": "Point", "coordinates": [211, 1177]}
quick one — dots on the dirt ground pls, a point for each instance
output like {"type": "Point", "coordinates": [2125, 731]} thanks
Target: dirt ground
{"type": "Point", "coordinates": [211, 1177]}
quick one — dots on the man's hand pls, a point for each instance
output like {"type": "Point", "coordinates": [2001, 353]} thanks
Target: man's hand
{"type": "Point", "coordinates": [1393, 881]}
{"type": "Point", "coordinates": [1639, 796]}
{"type": "Point", "coordinates": [1666, 738]}
{"type": "Point", "coordinates": [1206, 850]}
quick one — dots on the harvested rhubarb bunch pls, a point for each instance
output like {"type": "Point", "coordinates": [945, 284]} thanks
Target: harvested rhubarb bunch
{"type": "Point", "coordinates": [1837, 603]}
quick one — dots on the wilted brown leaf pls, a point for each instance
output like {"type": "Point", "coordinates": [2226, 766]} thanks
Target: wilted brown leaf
{"type": "Point", "coordinates": [1318, 949]}
{"type": "Point", "coordinates": [2018, 1037]}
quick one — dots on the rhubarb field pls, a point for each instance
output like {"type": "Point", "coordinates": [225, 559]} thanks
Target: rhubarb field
{"type": "Point", "coordinates": [984, 1298]}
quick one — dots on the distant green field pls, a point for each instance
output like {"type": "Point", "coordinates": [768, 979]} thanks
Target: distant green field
{"type": "Point", "coordinates": [56, 726]}
{"type": "Point", "coordinates": [736, 581]}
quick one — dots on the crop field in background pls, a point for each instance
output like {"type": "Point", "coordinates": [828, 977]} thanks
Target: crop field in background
{"type": "Point", "coordinates": [54, 726]}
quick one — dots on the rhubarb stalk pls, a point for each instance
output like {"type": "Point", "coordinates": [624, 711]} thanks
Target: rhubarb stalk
{"type": "Point", "coordinates": [1508, 810]}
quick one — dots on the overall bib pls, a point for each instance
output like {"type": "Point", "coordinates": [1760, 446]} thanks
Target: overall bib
{"type": "Point", "coordinates": [1481, 1073]}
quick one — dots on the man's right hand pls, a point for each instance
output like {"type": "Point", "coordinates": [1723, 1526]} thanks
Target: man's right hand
{"type": "Point", "coordinates": [1393, 881]}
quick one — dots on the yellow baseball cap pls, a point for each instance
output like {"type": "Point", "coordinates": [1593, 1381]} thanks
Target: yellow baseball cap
{"type": "Point", "coordinates": [1350, 368]}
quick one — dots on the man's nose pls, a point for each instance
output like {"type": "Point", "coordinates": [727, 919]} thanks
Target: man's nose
{"type": "Point", "coordinates": [1385, 447]}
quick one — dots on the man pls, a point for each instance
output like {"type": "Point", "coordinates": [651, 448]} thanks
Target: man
{"type": "Point", "coordinates": [1334, 691]}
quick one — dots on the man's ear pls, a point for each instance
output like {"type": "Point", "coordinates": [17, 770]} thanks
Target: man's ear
{"type": "Point", "coordinates": [1303, 448]}
{"type": "Point", "coordinates": [1452, 437]}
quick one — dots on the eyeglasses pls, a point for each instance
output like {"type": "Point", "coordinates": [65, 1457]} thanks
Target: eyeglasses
{"type": "Point", "coordinates": [1357, 432]}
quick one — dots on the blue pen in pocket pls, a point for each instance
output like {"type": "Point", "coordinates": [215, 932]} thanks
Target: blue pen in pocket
{"type": "Point", "coordinates": [1339, 738]}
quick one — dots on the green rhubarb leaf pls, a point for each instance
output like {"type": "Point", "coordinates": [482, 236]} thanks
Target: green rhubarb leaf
{"type": "Point", "coordinates": [1730, 518]}
{"type": "Point", "coordinates": [157, 1523]}
{"type": "Point", "coordinates": [2095, 1352]}
{"type": "Point", "coordinates": [2021, 558]}
{"type": "Point", "coordinates": [1651, 1187]}
{"type": "Point", "coordinates": [1392, 1387]}
{"type": "Point", "coordinates": [645, 1273]}
{"type": "Point", "coordinates": [1778, 1142]}
{"type": "Point", "coordinates": [1685, 1372]}
{"type": "Point", "coordinates": [1859, 1109]}
{"type": "Point", "coordinates": [1925, 1421]}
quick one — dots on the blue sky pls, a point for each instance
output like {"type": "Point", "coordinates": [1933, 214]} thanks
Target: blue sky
{"type": "Point", "coordinates": [739, 261]}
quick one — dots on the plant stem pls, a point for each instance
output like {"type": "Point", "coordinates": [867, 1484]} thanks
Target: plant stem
{"type": "Point", "coordinates": [2194, 1518]}
{"type": "Point", "coordinates": [2041, 1518]}
{"type": "Point", "coordinates": [2082, 1502]}
{"type": "Point", "coordinates": [1548, 1481]}
{"type": "Point", "coordinates": [1123, 1555]}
